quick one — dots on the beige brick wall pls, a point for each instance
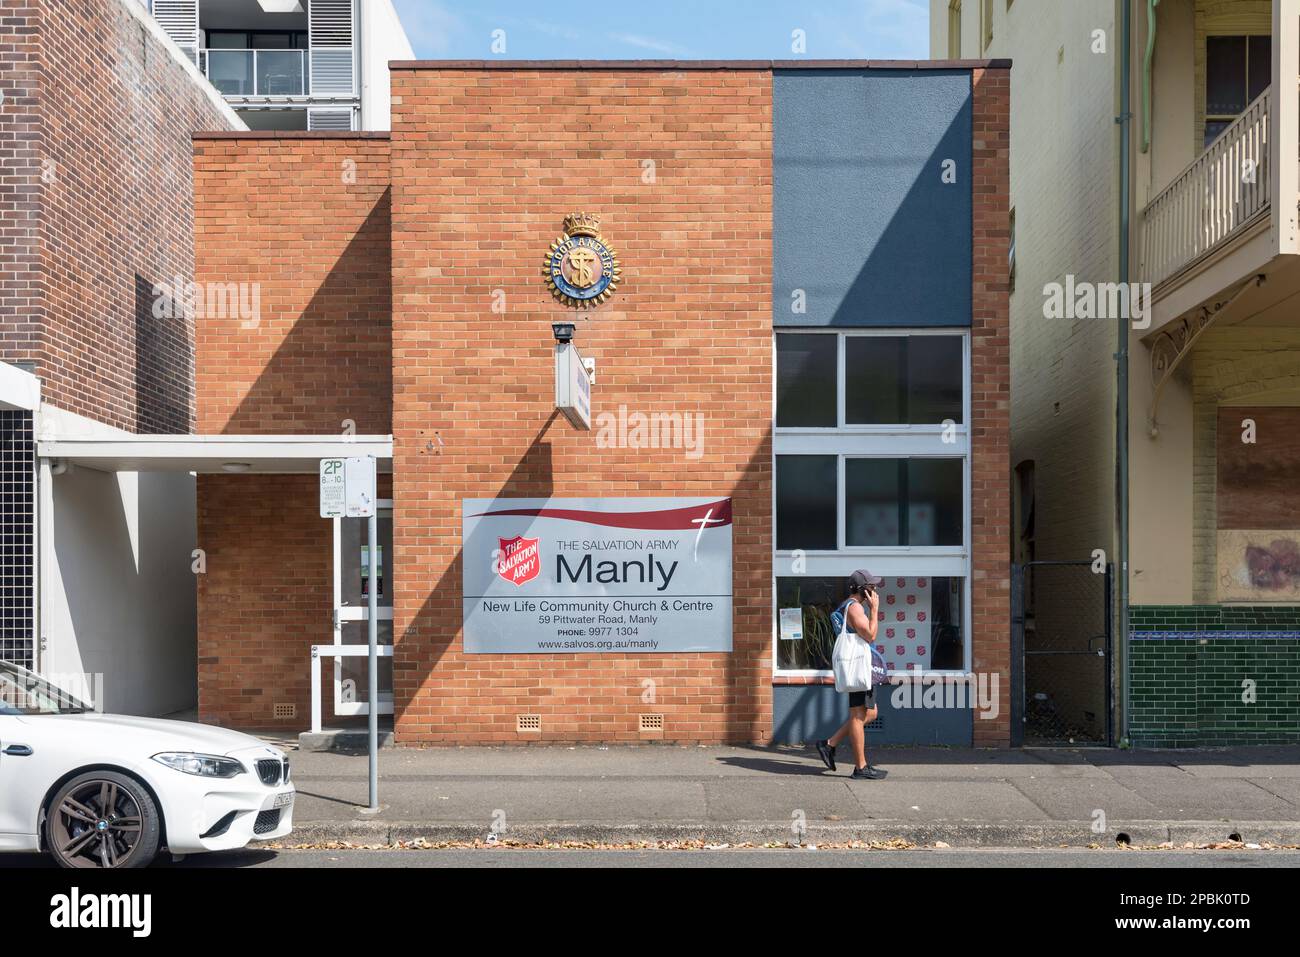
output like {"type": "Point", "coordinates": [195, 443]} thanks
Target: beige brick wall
{"type": "Point", "coordinates": [1064, 188]}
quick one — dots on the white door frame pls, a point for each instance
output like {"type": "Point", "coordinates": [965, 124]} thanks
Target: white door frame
{"type": "Point", "coordinates": [345, 613]}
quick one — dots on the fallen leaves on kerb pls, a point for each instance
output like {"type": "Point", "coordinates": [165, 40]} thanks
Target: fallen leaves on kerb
{"type": "Point", "coordinates": [505, 843]}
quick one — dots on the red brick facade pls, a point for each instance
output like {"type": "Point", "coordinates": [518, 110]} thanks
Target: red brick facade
{"type": "Point", "coordinates": [991, 396]}
{"type": "Point", "coordinates": [304, 219]}
{"type": "Point", "coordinates": [265, 598]}
{"type": "Point", "coordinates": [96, 203]}
{"type": "Point", "coordinates": [315, 244]}
{"type": "Point", "coordinates": [485, 164]}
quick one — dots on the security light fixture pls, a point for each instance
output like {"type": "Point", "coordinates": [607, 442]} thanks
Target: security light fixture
{"type": "Point", "coordinates": [563, 331]}
{"type": "Point", "coordinates": [235, 467]}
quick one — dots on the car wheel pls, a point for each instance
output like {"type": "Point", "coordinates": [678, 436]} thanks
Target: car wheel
{"type": "Point", "coordinates": [103, 819]}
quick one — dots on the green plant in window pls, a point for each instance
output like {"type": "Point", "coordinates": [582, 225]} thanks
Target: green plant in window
{"type": "Point", "coordinates": [814, 649]}
{"type": "Point", "coordinates": [819, 636]}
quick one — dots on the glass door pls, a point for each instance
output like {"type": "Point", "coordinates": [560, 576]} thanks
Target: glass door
{"type": "Point", "coordinates": [351, 610]}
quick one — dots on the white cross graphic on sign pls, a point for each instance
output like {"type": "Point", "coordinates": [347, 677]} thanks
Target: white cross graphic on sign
{"type": "Point", "coordinates": [704, 523]}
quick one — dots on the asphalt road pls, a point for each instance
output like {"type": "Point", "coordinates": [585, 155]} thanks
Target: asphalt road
{"type": "Point", "coordinates": [975, 857]}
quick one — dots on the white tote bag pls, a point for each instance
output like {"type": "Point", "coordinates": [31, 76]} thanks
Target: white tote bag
{"type": "Point", "coordinates": [851, 660]}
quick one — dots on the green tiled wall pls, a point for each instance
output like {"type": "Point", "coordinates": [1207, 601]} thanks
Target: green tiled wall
{"type": "Point", "coordinates": [1215, 618]}
{"type": "Point", "coordinates": [1189, 668]}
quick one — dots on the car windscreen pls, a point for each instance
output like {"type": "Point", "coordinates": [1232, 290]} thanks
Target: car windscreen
{"type": "Point", "coordinates": [22, 692]}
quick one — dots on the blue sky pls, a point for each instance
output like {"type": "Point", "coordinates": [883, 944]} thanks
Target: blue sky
{"type": "Point", "coordinates": [666, 29]}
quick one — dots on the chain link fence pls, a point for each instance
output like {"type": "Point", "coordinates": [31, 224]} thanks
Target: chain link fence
{"type": "Point", "coordinates": [1061, 634]}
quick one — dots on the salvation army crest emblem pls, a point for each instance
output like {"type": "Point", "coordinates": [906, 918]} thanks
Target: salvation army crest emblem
{"type": "Point", "coordinates": [519, 560]}
{"type": "Point", "coordinates": [582, 269]}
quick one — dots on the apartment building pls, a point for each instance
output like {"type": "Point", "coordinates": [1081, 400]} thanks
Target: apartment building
{"type": "Point", "coordinates": [293, 64]}
{"type": "Point", "coordinates": [1153, 143]}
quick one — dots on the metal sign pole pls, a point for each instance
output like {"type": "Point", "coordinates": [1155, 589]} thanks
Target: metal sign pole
{"type": "Point", "coordinates": [347, 490]}
{"type": "Point", "coordinates": [372, 524]}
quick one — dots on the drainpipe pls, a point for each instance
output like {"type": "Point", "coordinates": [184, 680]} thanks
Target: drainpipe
{"type": "Point", "coordinates": [1125, 121]}
{"type": "Point", "coordinates": [1146, 70]}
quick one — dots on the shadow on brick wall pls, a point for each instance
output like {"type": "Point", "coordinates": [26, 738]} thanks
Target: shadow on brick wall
{"type": "Point", "coordinates": [436, 627]}
{"type": "Point", "coordinates": [164, 360]}
{"type": "Point", "coordinates": [336, 362]}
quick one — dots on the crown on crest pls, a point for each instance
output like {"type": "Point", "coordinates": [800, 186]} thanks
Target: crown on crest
{"type": "Point", "coordinates": [582, 224]}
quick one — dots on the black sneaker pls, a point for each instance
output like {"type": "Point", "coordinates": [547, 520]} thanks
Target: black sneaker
{"type": "Point", "coordinates": [867, 773]}
{"type": "Point", "coordinates": [827, 754]}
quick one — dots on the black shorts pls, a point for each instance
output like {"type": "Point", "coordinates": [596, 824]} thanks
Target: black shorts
{"type": "Point", "coordinates": [861, 699]}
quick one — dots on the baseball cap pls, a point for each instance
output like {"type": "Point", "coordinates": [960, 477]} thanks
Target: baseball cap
{"type": "Point", "coordinates": [863, 577]}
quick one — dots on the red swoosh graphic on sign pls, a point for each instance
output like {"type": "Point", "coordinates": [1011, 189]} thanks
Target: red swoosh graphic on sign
{"type": "Point", "coordinates": [665, 519]}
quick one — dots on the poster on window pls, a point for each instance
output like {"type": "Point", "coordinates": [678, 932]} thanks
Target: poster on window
{"type": "Point", "coordinates": [905, 621]}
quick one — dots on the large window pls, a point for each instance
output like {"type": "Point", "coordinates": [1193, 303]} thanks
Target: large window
{"type": "Point", "coordinates": [920, 628]}
{"type": "Point", "coordinates": [1237, 70]}
{"type": "Point", "coordinates": [871, 470]}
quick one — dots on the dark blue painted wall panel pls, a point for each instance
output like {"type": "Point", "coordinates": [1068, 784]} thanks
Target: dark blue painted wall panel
{"type": "Point", "coordinates": [862, 221]}
{"type": "Point", "coordinates": [804, 713]}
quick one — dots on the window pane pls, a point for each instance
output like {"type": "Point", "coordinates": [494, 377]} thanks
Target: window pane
{"type": "Point", "coordinates": [818, 597]}
{"type": "Point", "coordinates": [873, 502]}
{"type": "Point", "coordinates": [873, 380]}
{"type": "Point", "coordinates": [280, 72]}
{"type": "Point", "coordinates": [1225, 75]}
{"type": "Point", "coordinates": [934, 502]}
{"type": "Point", "coordinates": [934, 379]}
{"type": "Point", "coordinates": [806, 376]}
{"type": "Point", "coordinates": [919, 627]}
{"type": "Point", "coordinates": [805, 501]}
{"type": "Point", "coordinates": [1213, 128]}
{"type": "Point", "coordinates": [1261, 65]}
{"type": "Point", "coordinates": [221, 40]}
{"type": "Point", "coordinates": [902, 380]}
{"type": "Point", "coordinates": [271, 41]}
{"type": "Point", "coordinates": [231, 71]}
{"type": "Point", "coordinates": [903, 502]}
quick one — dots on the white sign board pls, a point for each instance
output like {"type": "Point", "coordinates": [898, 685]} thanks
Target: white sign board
{"type": "Point", "coordinates": [347, 487]}
{"type": "Point", "coordinates": [332, 494]}
{"type": "Point", "coordinates": [792, 624]}
{"type": "Point", "coordinates": [604, 575]}
{"type": "Point", "coordinates": [359, 487]}
{"type": "Point", "coordinates": [572, 386]}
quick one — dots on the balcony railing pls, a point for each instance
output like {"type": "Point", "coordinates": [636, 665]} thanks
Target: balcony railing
{"type": "Point", "coordinates": [257, 72]}
{"type": "Point", "coordinates": [1223, 190]}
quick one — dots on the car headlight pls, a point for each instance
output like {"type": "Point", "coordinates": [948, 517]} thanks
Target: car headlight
{"type": "Point", "coordinates": [204, 765]}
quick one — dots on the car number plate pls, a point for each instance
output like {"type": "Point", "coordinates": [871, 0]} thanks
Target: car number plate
{"type": "Point", "coordinates": [283, 800]}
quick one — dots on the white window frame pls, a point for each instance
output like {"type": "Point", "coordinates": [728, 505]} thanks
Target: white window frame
{"type": "Point", "coordinates": [847, 441]}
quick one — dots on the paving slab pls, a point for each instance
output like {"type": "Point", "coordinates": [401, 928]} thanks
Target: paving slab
{"type": "Point", "coordinates": [1080, 799]}
{"type": "Point", "coordinates": [1032, 797]}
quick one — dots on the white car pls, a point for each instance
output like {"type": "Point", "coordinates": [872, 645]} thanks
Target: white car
{"type": "Point", "coordinates": [104, 790]}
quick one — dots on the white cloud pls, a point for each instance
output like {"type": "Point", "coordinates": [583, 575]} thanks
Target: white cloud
{"type": "Point", "coordinates": [649, 43]}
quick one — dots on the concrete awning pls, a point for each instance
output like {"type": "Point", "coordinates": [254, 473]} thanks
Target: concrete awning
{"type": "Point", "coordinates": [214, 454]}
{"type": "Point", "coordinates": [19, 389]}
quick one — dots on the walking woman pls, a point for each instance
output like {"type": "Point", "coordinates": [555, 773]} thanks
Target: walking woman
{"type": "Point", "coordinates": [860, 614]}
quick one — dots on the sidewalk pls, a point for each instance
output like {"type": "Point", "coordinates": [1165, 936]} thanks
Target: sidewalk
{"type": "Point", "coordinates": [751, 794]}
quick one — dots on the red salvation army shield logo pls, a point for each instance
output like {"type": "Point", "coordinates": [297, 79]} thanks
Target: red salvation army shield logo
{"type": "Point", "coordinates": [520, 559]}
